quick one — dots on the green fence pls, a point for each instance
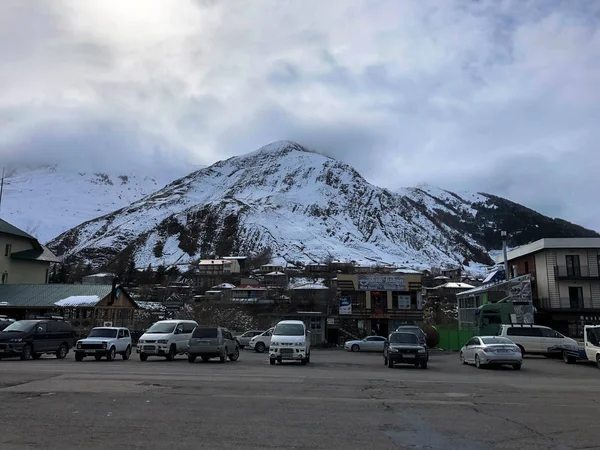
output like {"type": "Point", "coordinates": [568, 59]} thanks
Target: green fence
{"type": "Point", "coordinates": [453, 338]}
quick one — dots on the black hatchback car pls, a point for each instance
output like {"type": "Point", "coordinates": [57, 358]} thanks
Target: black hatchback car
{"type": "Point", "coordinates": [32, 338]}
{"type": "Point", "coordinates": [405, 348]}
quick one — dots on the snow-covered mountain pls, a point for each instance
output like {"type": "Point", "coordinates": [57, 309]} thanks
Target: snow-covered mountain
{"type": "Point", "coordinates": [305, 207]}
{"type": "Point", "coordinates": [49, 200]}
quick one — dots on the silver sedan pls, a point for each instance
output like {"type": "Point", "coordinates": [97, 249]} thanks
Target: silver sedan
{"type": "Point", "coordinates": [491, 350]}
{"type": "Point", "coordinates": [368, 344]}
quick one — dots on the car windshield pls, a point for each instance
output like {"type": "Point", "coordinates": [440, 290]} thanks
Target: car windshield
{"type": "Point", "coordinates": [21, 325]}
{"type": "Point", "coordinates": [404, 338]}
{"type": "Point", "coordinates": [103, 332]}
{"type": "Point", "coordinates": [161, 328]}
{"type": "Point", "coordinates": [289, 329]}
{"type": "Point", "coordinates": [205, 333]}
{"type": "Point", "coordinates": [496, 340]}
{"type": "Point", "coordinates": [415, 330]}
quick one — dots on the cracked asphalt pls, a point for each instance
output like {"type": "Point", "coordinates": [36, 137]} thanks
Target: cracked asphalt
{"type": "Point", "coordinates": [341, 400]}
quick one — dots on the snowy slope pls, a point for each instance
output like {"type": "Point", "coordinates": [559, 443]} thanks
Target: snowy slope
{"type": "Point", "coordinates": [49, 200]}
{"type": "Point", "coordinates": [302, 205]}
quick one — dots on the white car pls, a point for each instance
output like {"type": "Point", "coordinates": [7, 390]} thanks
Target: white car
{"type": "Point", "coordinates": [261, 342]}
{"type": "Point", "coordinates": [166, 338]}
{"type": "Point", "coordinates": [104, 341]}
{"type": "Point", "coordinates": [491, 350]}
{"type": "Point", "coordinates": [368, 344]}
{"type": "Point", "coordinates": [290, 342]}
{"type": "Point", "coordinates": [536, 339]}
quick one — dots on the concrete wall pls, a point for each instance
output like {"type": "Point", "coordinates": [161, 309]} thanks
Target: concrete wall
{"type": "Point", "coordinates": [21, 271]}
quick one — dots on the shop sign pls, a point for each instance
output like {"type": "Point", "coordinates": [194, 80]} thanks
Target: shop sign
{"type": "Point", "coordinates": [381, 283]}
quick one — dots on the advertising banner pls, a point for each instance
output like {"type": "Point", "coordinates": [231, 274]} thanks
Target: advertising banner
{"type": "Point", "coordinates": [345, 305]}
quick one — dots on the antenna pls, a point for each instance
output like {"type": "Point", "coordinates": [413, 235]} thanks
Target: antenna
{"type": "Point", "coordinates": [1, 188]}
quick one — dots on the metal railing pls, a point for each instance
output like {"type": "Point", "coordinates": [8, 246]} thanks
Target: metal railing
{"type": "Point", "coordinates": [575, 272]}
{"type": "Point", "coordinates": [565, 304]}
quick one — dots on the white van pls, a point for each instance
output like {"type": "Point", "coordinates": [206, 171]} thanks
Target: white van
{"type": "Point", "coordinates": [536, 339]}
{"type": "Point", "coordinates": [290, 342]}
{"type": "Point", "coordinates": [166, 338]}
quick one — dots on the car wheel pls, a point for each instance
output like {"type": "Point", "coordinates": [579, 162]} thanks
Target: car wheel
{"type": "Point", "coordinates": [79, 356]}
{"type": "Point", "coordinates": [143, 357]}
{"type": "Point", "coordinates": [172, 353]}
{"type": "Point", "coordinates": [384, 361]}
{"type": "Point", "coordinates": [191, 358]}
{"type": "Point", "coordinates": [127, 353]}
{"type": "Point", "coordinates": [62, 351]}
{"type": "Point", "coordinates": [223, 357]}
{"type": "Point", "coordinates": [423, 364]}
{"type": "Point", "coordinates": [36, 355]}
{"type": "Point", "coordinates": [272, 361]}
{"type": "Point", "coordinates": [110, 356]}
{"type": "Point", "coordinates": [27, 352]}
{"type": "Point", "coordinates": [517, 366]}
{"type": "Point", "coordinates": [303, 361]}
{"type": "Point", "coordinates": [390, 364]}
{"type": "Point", "coordinates": [205, 358]}
{"type": "Point", "coordinates": [462, 358]}
{"type": "Point", "coordinates": [522, 350]}
{"type": "Point", "coordinates": [478, 362]}
{"type": "Point", "coordinates": [98, 357]}
{"type": "Point", "coordinates": [235, 356]}
{"type": "Point", "coordinates": [598, 361]}
{"type": "Point", "coordinates": [355, 348]}
{"type": "Point", "coordinates": [260, 347]}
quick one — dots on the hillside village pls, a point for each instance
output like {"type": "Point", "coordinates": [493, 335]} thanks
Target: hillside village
{"type": "Point", "coordinates": [340, 300]}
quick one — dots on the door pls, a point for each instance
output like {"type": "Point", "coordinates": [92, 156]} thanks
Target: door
{"type": "Point", "coordinates": [41, 338]}
{"type": "Point", "coordinates": [551, 340]}
{"type": "Point", "coordinates": [576, 297]}
{"type": "Point", "coordinates": [469, 351]}
{"type": "Point", "coordinates": [530, 338]}
{"type": "Point", "coordinates": [180, 337]}
{"type": "Point", "coordinates": [573, 267]}
{"type": "Point", "coordinates": [374, 343]}
{"type": "Point", "coordinates": [229, 342]}
{"type": "Point", "coordinates": [121, 341]}
{"type": "Point", "coordinates": [266, 337]}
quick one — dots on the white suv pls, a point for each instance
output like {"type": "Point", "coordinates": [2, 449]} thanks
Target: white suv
{"type": "Point", "coordinates": [290, 342]}
{"type": "Point", "coordinates": [104, 341]}
{"type": "Point", "coordinates": [166, 338]}
{"type": "Point", "coordinates": [536, 339]}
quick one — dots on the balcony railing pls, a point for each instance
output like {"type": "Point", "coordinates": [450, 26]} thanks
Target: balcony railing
{"type": "Point", "coordinates": [575, 272]}
{"type": "Point", "coordinates": [565, 304]}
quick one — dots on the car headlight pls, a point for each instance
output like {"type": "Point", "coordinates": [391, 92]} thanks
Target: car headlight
{"type": "Point", "coordinates": [140, 341]}
{"type": "Point", "coordinates": [421, 350]}
{"type": "Point", "coordinates": [79, 345]}
{"type": "Point", "coordinates": [300, 344]}
{"type": "Point", "coordinates": [162, 341]}
{"type": "Point", "coordinates": [274, 343]}
{"type": "Point", "coordinates": [394, 350]}
{"type": "Point", "coordinates": [104, 345]}
{"type": "Point", "coordinates": [16, 340]}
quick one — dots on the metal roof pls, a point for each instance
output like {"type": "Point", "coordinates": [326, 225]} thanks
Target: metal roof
{"type": "Point", "coordinates": [551, 243]}
{"type": "Point", "coordinates": [46, 295]}
{"type": "Point", "coordinates": [44, 254]}
{"type": "Point", "coordinates": [7, 228]}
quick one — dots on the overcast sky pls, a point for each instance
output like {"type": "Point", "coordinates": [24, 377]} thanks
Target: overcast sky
{"type": "Point", "coordinates": [500, 97]}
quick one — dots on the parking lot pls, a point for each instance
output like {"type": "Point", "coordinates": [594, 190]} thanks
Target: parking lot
{"type": "Point", "coordinates": [340, 400]}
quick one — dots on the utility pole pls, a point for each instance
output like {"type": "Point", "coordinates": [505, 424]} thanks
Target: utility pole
{"type": "Point", "coordinates": [1, 188]}
{"type": "Point", "coordinates": [506, 273]}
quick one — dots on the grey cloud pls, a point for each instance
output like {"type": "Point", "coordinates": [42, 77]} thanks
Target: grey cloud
{"type": "Point", "coordinates": [486, 96]}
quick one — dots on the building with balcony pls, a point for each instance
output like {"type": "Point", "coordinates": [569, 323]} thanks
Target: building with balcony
{"type": "Point", "coordinates": [374, 303]}
{"type": "Point", "coordinates": [565, 281]}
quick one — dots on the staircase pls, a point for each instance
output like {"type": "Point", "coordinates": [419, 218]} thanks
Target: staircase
{"type": "Point", "coordinates": [348, 330]}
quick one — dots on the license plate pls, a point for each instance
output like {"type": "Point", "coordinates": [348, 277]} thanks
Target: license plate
{"type": "Point", "coordinates": [287, 351]}
{"type": "Point", "coordinates": [503, 351]}
{"type": "Point", "coordinates": [408, 356]}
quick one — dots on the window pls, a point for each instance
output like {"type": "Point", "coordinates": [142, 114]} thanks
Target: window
{"type": "Point", "coordinates": [474, 341]}
{"type": "Point", "coordinates": [205, 333]}
{"type": "Point", "coordinates": [7, 250]}
{"type": "Point", "coordinates": [526, 266]}
{"type": "Point", "coordinates": [41, 327]}
{"type": "Point", "coordinates": [524, 331]}
{"type": "Point", "coordinates": [573, 267]}
{"type": "Point", "coordinates": [549, 333]}
{"type": "Point", "coordinates": [121, 334]}
{"type": "Point", "coordinates": [188, 327]}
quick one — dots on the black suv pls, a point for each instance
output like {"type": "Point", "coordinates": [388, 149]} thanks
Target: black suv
{"type": "Point", "coordinates": [31, 338]}
{"type": "Point", "coordinates": [405, 348]}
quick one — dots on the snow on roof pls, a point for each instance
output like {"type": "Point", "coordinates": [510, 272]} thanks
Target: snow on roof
{"type": "Point", "coordinates": [101, 275]}
{"type": "Point", "coordinates": [310, 286]}
{"type": "Point", "coordinates": [457, 285]}
{"type": "Point", "coordinates": [151, 306]}
{"type": "Point", "coordinates": [223, 286]}
{"type": "Point", "coordinates": [441, 277]}
{"type": "Point", "coordinates": [79, 300]}
{"type": "Point", "coordinates": [276, 273]}
{"type": "Point", "coordinates": [408, 271]}
{"type": "Point", "coordinates": [215, 262]}
{"type": "Point", "coordinates": [250, 287]}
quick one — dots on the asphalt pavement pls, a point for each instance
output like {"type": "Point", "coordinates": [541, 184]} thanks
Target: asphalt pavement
{"type": "Point", "coordinates": [340, 400]}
